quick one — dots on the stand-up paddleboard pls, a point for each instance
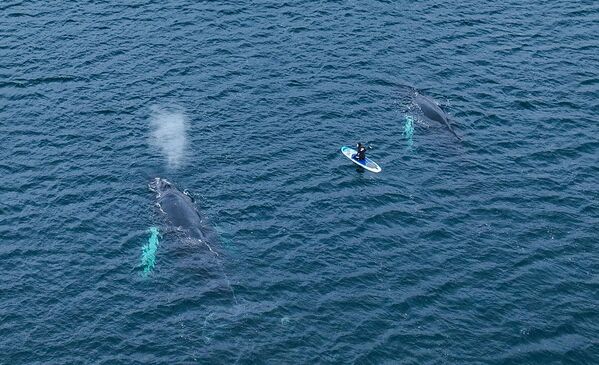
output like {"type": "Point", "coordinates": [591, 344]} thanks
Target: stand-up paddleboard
{"type": "Point", "coordinates": [368, 164]}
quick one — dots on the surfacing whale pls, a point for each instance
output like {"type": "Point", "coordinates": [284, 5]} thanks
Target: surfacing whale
{"type": "Point", "coordinates": [182, 216]}
{"type": "Point", "coordinates": [431, 110]}
{"type": "Point", "coordinates": [180, 212]}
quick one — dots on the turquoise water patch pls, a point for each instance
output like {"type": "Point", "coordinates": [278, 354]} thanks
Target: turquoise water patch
{"type": "Point", "coordinates": [148, 252]}
{"type": "Point", "coordinates": [225, 240]}
{"type": "Point", "coordinates": [408, 130]}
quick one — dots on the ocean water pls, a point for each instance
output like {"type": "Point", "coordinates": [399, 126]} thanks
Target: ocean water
{"type": "Point", "coordinates": [483, 251]}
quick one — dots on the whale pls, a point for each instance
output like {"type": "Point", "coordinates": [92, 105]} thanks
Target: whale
{"type": "Point", "coordinates": [180, 212]}
{"type": "Point", "coordinates": [432, 111]}
{"type": "Point", "coordinates": [182, 216]}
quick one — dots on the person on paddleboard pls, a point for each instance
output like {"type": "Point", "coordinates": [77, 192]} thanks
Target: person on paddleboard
{"type": "Point", "coordinates": [361, 155]}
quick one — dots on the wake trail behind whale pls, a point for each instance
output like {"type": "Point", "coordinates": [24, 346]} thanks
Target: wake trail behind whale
{"type": "Point", "coordinates": [168, 134]}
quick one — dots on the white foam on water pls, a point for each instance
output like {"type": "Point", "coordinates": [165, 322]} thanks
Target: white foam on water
{"type": "Point", "coordinates": [168, 128]}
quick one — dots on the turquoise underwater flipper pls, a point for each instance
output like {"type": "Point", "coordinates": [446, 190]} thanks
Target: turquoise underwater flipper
{"type": "Point", "coordinates": [148, 252]}
{"type": "Point", "coordinates": [408, 130]}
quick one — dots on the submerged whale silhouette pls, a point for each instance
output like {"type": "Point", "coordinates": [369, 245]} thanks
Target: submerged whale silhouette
{"type": "Point", "coordinates": [431, 110]}
{"type": "Point", "coordinates": [181, 214]}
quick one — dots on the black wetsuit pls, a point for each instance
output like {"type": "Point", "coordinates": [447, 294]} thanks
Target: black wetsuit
{"type": "Point", "coordinates": [361, 155]}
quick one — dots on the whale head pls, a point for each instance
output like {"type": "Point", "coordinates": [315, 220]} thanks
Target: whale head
{"type": "Point", "coordinates": [159, 185]}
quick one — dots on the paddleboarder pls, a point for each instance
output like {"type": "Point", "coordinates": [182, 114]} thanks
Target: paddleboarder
{"type": "Point", "coordinates": [361, 155]}
{"type": "Point", "coordinates": [359, 158]}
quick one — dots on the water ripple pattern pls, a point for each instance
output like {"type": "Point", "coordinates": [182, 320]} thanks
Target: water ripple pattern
{"type": "Point", "coordinates": [482, 251]}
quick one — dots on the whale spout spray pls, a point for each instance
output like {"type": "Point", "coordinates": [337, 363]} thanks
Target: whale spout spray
{"type": "Point", "coordinates": [168, 134]}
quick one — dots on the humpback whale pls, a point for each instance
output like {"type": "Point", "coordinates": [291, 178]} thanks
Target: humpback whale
{"type": "Point", "coordinates": [431, 110]}
{"type": "Point", "coordinates": [181, 214]}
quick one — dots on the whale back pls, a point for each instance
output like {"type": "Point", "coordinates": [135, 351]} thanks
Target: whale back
{"type": "Point", "coordinates": [431, 110]}
{"type": "Point", "coordinates": [180, 211]}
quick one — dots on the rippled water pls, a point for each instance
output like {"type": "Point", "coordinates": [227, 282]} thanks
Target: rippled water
{"type": "Point", "coordinates": [480, 251]}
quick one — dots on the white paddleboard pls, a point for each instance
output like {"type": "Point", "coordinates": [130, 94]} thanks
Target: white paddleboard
{"type": "Point", "coordinates": [368, 164]}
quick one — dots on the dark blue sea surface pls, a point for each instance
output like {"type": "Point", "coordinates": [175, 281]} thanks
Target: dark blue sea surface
{"type": "Point", "coordinates": [480, 251]}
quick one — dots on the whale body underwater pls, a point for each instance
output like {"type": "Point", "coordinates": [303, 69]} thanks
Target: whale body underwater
{"type": "Point", "coordinates": [180, 212]}
{"type": "Point", "coordinates": [431, 110]}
